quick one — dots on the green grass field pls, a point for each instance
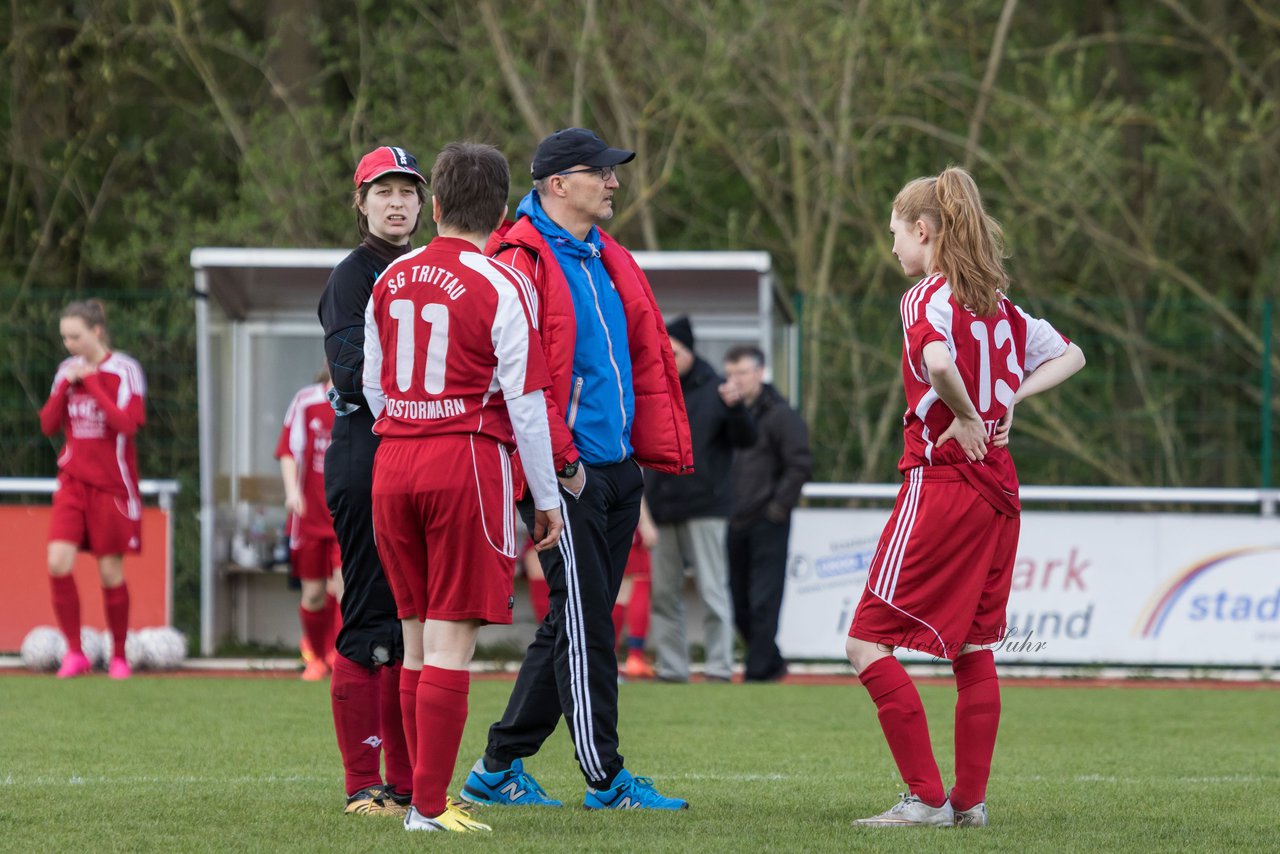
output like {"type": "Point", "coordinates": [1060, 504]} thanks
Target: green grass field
{"type": "Point", "coordinates": [194, 764]}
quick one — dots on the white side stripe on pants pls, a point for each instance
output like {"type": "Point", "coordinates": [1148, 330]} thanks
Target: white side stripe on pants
{"type": "Point", "coordinates": [887, 583]}
{"type": "Point", "coordinates": [583, 729]}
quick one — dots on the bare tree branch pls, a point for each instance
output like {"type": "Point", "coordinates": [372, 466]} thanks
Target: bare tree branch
{"type": "Point", "coordinates": [979, 114]}
{"type": "Point", "coordinates": [506, 63]}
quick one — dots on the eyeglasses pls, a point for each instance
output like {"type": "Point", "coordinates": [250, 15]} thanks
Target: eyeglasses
{"type": "Point", "coordinates": [606, 173]}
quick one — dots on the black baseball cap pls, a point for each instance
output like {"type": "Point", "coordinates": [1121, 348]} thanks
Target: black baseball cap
{"type": "Point", "coordinates": [568, 147]}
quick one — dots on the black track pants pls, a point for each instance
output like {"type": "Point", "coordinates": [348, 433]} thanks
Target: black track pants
{"type": "Point", "coordinates": [571, 669]}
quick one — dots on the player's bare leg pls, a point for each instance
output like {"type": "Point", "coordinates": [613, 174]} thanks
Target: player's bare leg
{"type": "Point", "coordinates": [906, 730]}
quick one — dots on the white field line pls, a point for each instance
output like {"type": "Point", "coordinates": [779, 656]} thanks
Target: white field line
{"type": "Point", "coordinates": [169, 780]}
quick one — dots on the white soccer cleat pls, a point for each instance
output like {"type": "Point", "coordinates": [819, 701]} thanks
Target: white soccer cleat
{"type": "Point", "coordinates": [454, 819]}
{"type": "Point", "coordinates": [911, 812]}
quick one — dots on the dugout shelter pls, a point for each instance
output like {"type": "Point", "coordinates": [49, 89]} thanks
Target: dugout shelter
{"type": "Point", "coordinates": [258, 341]}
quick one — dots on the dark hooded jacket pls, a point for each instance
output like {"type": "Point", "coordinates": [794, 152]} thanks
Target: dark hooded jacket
{"type": "Point", "coordinates": [716, 430]}
{"type": "Point", "coordinates": [768, 475]}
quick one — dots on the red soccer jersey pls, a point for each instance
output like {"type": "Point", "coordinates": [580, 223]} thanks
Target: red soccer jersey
{"type": "Point", "coordinates": [447, 342]}
{"type": "Point", "coordinates": [100, 415]}
{"type": "Point", "coordinates": [992, 354]}
{"type": "Point", "coordinates": [308, 424]}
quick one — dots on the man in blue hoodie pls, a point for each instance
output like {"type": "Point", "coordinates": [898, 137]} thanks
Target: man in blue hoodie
{"type": "Point", "coordinates": [615, 404]}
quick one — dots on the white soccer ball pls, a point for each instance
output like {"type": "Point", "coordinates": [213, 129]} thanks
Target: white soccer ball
{"type": "Point", "coordinates": [43, 648]}
{"type": "Point", "coordinates": [96, 646]}
{"type": "Point", "coordinates": [156, 648]}
{"type": "Point", "coordinates": [135, 650]}
{"type": "Point", "coordinates": [168, 648]}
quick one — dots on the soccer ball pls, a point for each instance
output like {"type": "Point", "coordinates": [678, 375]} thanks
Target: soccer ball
{"type": "Point", "coordinates": [43, 648]}
{"type": "Point", "coordinates": [96, 646]}
{"type": "Point", "coordinates": [156, 648]}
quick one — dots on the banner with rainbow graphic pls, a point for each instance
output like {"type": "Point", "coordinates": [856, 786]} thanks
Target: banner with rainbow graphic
{"type": "Point", "coordinates": [1088, 588]}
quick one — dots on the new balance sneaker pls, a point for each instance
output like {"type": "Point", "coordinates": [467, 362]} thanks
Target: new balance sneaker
{"type": "Point", "coordinates": [974, 816]}
{"type": "Point", "coordinates": [454, 818]}
{"type": "Point", "coordinates": [373, 801]}
{"type": "Point", "coordinates": [74, 664]}
{"type": "Point", "coordinates": [119, 668]}
{"type": "Point", "coordinates": [911, 812]}
{"type": "Point", "coordinates": [511, 788]}
{"type": "Point", "coordinates": [630, 793]}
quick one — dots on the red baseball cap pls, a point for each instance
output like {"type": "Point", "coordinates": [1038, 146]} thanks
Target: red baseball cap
{"type": "Point", "coordinates": [384, 161]}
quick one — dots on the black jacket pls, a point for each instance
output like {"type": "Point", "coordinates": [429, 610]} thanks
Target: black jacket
{"type": "Point", "coordinates": [715, 429]}
{"type": "Point", "coordinates": [769, 474]}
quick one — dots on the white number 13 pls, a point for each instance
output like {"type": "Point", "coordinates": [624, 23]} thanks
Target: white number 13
{"type": "Point", "coordinates": [1003, 335]}
{"type": "Point", "coordinates": [435, 314]}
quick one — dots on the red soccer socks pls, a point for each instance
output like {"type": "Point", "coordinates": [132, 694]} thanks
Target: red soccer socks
{"type": "Point", "coordinates": [977, 720]}
{"type": "Point", "coordinates": [638, 607]}
{"type": "Point", "coordinates": [115, 602]}
{"type": "Point", "coordinates": [356, 695]}
{"type": "Point", "coordinates": [315, 628]}
{"type": "Point", "coordinates": [539, 598]}
{"type": "Point", "coordinates": [66, 608]}
{"type": "Point", "coordinates": [441, 716]}
{"type": "Point", "coordinates": [905, 727]}
{"type": "Point", "coordinates": [395, 749]}
{"type": "Point", "coordinates": [409, 707]}
{"type": "Point", "coordinates": [333, 608]}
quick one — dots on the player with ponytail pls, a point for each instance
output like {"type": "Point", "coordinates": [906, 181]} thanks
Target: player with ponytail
{"type": "Point", "coordinates": [940, 578]}
{"type": "Point", "coordinates": [98, 403]}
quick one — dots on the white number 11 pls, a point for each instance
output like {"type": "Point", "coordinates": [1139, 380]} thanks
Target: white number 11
{"type": "Point", "coordinates": [435, 314]}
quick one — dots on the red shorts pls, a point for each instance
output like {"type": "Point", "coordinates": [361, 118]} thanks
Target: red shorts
{"type": "Point", "coordinates": [444, 521]}
{"type": "Point", "coordinates": [942, 570]}
{"type": "Point", "coordinates": [96, 521]}
{"type": "Point", "coordinates": [315, 558]}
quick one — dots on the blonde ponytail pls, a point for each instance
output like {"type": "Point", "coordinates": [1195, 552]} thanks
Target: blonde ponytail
{"type": "Point", "coordinates": [969, 249]}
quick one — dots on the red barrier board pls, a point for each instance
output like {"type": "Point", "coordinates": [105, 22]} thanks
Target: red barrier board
{"type": "Point", "coordinates": [24, 580]}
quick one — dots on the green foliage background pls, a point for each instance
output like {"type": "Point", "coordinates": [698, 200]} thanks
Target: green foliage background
{"type": "Point", "coordinates": [1131, 149]}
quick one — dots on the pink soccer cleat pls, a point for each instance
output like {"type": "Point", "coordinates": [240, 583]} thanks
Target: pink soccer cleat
{"type": "Point", "coordinates": [119, 668]}
{"type": "Point", "coordinates": [74, 664]}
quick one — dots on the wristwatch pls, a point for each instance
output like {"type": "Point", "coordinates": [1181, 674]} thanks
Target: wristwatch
{"type": "Point", "coordinates": [569, 470]}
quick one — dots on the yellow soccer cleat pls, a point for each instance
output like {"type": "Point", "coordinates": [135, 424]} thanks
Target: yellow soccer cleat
{"type": "Point", "coordinates": [455, 819]}
{"type": "Point", "coordinates": [373, 801]}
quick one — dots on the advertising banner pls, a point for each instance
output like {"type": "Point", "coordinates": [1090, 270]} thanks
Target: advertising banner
{"type": "Point", "coordinates": [24, 581]}
{"type": "Point", "coordinates": [1125, 588]}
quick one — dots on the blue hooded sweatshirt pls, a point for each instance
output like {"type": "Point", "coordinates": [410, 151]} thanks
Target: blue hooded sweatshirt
{"type": "Point", "coordinates": [602, 402]}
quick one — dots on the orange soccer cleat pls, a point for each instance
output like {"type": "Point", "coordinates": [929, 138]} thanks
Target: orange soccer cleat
{"type": "Point", "coordinates": [637, 666]}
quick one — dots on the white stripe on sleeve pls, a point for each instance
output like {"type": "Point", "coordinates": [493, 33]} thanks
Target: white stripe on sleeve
{"type": "Point", "coordinates": [533, 438]}
{"type": "Point", "coordinates": [372, 376]}
{"type": "Point", "coordinates": [510, 331]}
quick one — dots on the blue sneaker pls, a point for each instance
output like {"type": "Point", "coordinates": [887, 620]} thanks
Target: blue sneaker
{"type": "Point", "coordinates": [510, 788]}
{"type": "Point", "coordinates": [630, 793]}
